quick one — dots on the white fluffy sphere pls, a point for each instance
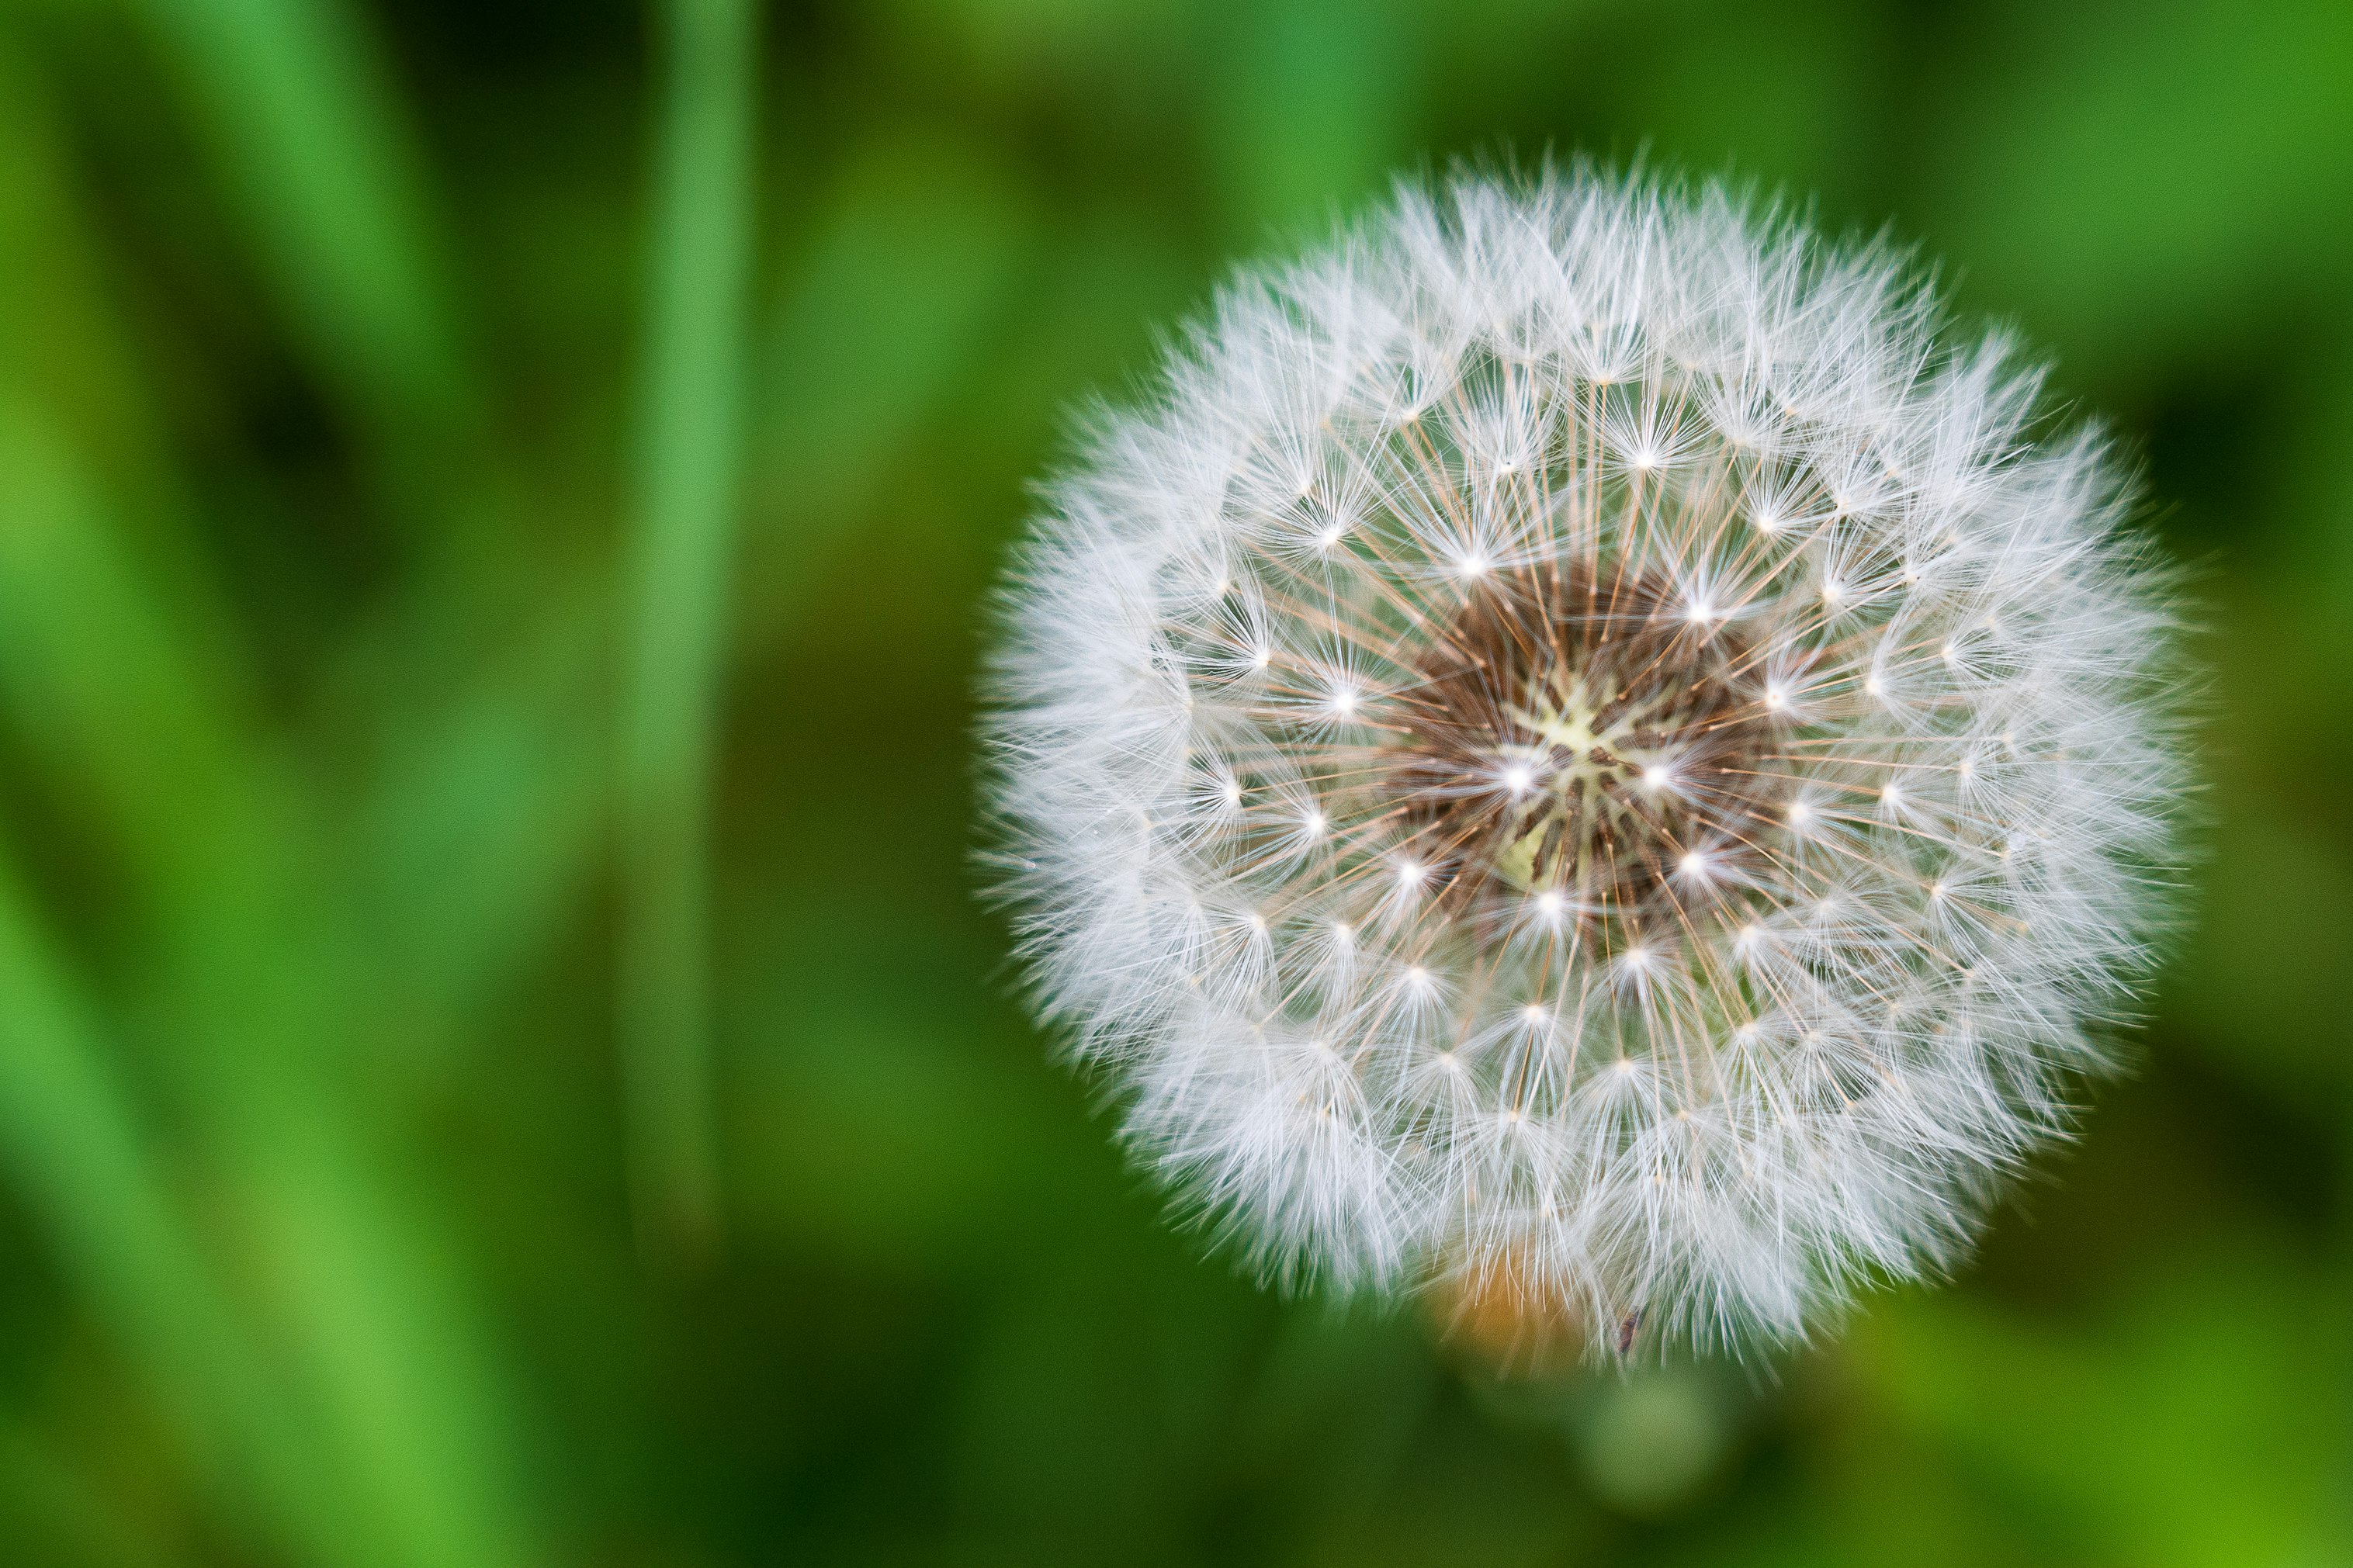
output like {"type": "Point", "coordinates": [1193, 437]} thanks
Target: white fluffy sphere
{"type": "Point", "coordinates": [1575, 741]}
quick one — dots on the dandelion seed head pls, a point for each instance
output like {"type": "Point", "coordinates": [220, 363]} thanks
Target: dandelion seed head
{"type": "Point", "coordinates": [1739, 741]}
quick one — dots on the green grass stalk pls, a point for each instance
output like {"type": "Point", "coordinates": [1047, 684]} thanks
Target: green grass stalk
{"type": "Point", "coordinates": [675, 611]}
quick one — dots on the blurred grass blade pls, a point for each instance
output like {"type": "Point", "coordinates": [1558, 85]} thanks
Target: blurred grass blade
{"type": "Point", "coordinates": [381, 1435]}
{"type": "Point", "coordinates": [907, 271]}
{"type": "Point", "coordinates": [51, 1514]}
{"type": "Point", "coordinates": [501, 769]}
{"type": "Point", "coordinates": [908, 267]}
{"type": "Point", "coordinates": [295, 97]}
{"type": "Point", "coordinates": [691, 411]}
{"type": "Point", "coordinates": [72, 1151]}
{"type": "Point", "coordinates": [371, 1420]}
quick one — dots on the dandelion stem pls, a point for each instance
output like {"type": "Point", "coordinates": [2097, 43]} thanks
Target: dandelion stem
{"type": "Point", "coordinates": [690, 435]}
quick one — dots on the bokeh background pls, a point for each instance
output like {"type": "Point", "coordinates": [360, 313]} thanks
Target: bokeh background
{"type": "Point", "coordinates": [323, 337]}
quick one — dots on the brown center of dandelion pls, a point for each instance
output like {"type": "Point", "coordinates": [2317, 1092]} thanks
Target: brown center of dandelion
{"type": "Point", "coordinates": [1599, 737]}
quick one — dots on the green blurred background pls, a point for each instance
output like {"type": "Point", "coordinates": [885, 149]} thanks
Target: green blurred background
{"type": "Point", "coordinates": [363, 492]}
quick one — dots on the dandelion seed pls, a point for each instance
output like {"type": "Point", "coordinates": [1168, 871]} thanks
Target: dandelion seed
{"type": "Point", "coordinates": [1620, 695]}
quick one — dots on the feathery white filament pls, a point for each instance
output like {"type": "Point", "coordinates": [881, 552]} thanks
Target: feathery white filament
{"type": "Point", "coordinates": [1573, 742]}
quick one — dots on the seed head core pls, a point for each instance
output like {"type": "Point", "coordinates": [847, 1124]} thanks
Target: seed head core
{"type": "Point", "coordinates": [1628, 735]}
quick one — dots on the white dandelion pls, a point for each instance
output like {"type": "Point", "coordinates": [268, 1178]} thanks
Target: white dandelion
{"type": "Point", "coordinates": [1575, 742]}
